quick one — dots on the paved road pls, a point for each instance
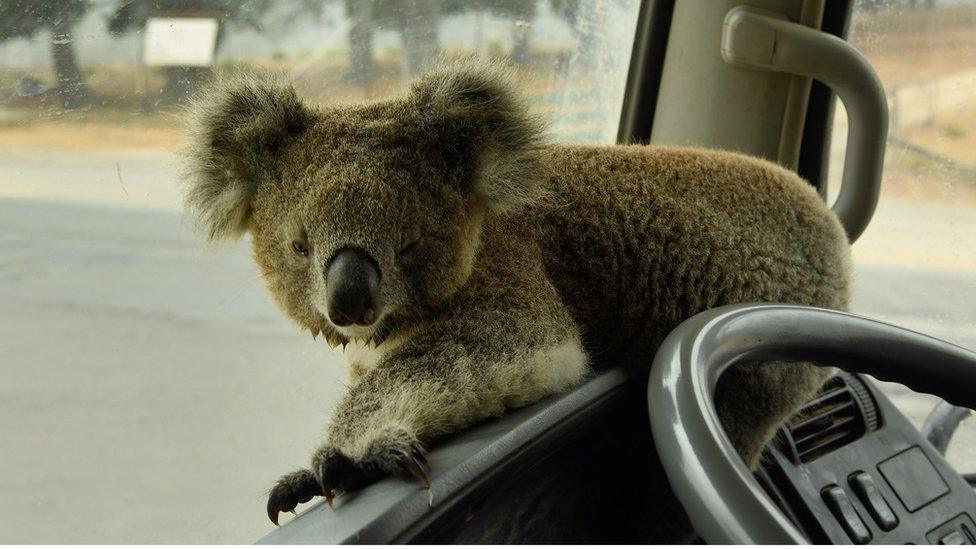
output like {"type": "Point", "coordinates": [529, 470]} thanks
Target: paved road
{"type": "Point", "coordinates": [150, 392]}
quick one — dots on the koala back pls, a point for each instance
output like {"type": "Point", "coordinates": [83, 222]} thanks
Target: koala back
{"type": "Point", "coordinates": [638, 238]}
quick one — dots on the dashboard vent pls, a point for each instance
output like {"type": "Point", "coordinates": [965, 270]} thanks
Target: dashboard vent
{"type": "Point", "coordinates": [841, 413]}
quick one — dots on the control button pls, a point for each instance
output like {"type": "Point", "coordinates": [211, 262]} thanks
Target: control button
{"type": "Point", "coordinates": [867, 491]}
{"type": "Point", "coordinates": [913, 478]}
{"type": "Point", "coordinates": [955, 531]}
{"type": "Point", "coordinates": [954, 537]}
{"type": "Point", "coordinates": [844, 512]}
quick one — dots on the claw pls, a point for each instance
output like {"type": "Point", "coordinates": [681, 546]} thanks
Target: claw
{"type": "Point", "coordinates": [293, 512]}
{"type": "Point", "coordinates": [273, 512]}
{"type": "Point", "coordinates": [418, 469]}
{"type": "Point", "coordinates": [327, 491]}
{"type": "Point", "coordinates": [420, 457]}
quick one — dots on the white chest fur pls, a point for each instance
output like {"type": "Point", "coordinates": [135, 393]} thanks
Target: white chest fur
{"type": "Point", "coordinates": [362, 357]}
{"type": "Point", "coordinates": [363, 354]}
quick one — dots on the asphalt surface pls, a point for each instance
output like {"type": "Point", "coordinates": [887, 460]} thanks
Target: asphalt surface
{"type": "Point", "coordinates": [150, 392]}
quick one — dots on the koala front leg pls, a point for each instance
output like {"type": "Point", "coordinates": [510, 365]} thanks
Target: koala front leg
{"type": "Point", "coordinates": [754, 399]}
{"type": "Point", "coordinates": [445, 377]}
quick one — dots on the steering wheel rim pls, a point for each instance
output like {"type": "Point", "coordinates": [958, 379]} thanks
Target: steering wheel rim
{"type": "Point", "coordinates": [724, 502]}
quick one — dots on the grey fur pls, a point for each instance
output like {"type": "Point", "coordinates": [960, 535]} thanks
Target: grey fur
{"type": "Point", "coordinates": [509, 266]}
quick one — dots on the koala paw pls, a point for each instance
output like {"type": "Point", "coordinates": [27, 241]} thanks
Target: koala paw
{"type": "Point", "coordinates": [290, 490]}
{"type": "Point", "coordinates": [391, 452]}
{"type": "Point", "coordinates": [333, 472]}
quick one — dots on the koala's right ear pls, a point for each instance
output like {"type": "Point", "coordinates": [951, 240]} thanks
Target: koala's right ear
{"type": "Point", "coordinates": [238, 127]}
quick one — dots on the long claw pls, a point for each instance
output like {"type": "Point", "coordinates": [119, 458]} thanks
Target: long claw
{"type": "Point", "coordinates": [273, 513]}
{"type": "Point", "coordinates": [422, 459]}
{"type": "Point", "coordinates": [326, 489]}
{"type": "Point", "coordinates": [418, 470]}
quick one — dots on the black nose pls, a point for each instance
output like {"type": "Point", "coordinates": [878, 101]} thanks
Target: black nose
{"type": "Point", "coordinates": [352, 288]}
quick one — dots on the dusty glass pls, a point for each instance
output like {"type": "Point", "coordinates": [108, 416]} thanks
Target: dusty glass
{"type": "Point", "coordinates": [915, 266]}
{"type": "Point", "coordinates": [149, 392]}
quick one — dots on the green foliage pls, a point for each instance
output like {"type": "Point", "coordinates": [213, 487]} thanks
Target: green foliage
{"type": "Point", "coordinates": [955, 131]}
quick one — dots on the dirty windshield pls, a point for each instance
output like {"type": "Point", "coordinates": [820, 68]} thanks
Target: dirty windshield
{"type": "Point", "coordinates": [149, 390]}
{"type": "Point", "coordinates": [915, 266]}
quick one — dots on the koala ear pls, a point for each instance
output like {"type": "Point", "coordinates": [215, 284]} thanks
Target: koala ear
{"type": "Point", "coordinates": [238, 127]}
{"type": "Point", "coordinates": [474, 111]}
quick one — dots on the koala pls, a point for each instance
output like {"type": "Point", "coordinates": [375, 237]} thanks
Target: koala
{"type": "Point", "coordinates": [465, 266]}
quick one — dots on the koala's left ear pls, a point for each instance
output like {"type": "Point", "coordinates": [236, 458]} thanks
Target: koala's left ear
{"type": "Point", "coordinates": [475, 111]}
{"type": "Point", "coordinates": [238, 128]}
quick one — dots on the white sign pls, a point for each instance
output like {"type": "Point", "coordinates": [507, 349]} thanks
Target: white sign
{"type": "Point", "coordinates": [180, 42]}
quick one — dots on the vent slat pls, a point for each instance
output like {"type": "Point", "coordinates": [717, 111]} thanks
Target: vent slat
{"type": "Point", "coordinates": [829, 421]}
{"type": "Point", "coordinates": [827, 395]}
{"type": "Point", "coordinates": [837, 426]}
{"type": "Point", "coordinates": [823, 415]}
{"type": "Point", "coordinates": [825, 446]}
{"type": "Point", "coordinates": [826, 400]}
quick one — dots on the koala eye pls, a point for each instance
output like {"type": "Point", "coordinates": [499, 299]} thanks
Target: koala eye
{"type": "Point", "coordinates": [300, 246]}
{"type": "Point", "coordinates": [406, 250]}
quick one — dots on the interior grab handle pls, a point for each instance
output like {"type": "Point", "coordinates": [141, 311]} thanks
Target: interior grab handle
{"type": "Point", "coordinates": [760, 40]}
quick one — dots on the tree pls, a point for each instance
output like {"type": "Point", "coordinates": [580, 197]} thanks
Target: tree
{"type": "Point", "coordinates": [417, 21]}
{"type": "Point", "coordinates": [513, 10]}
{"type": "Point", "coordinates": [132, 15]}
{"type": "Point", "coordinates": [25, 18]}
{"type": "Point", "coordinates": [362, 67]}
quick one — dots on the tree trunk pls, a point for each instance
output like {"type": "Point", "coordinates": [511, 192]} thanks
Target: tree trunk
{"type": "Point", "coordinates": [70, 87]}
{"type": "Point", "coordinates": [522, 45]}
{"type": "Point", "coordinates": [362, 67]}
{"type": "Point", "coordinates": [419, 24]}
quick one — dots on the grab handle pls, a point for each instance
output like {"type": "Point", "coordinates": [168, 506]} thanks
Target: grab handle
{"type": "Point", "coordinates": [758, 40]}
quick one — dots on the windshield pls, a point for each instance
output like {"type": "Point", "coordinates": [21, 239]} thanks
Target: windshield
{"type": "Point", "coordinates": [150, 390]}
{"type": "Point", "coordinates": [915, 266]}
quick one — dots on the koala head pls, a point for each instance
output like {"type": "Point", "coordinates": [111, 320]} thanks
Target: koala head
{"type": "Point", "coordinates": [362, 218]}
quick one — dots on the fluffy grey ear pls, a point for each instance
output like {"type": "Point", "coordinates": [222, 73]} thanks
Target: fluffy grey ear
{"type": "Point", "coordinates": [238, 127]}
{"type": "Point", "coordinates": [475, 112]}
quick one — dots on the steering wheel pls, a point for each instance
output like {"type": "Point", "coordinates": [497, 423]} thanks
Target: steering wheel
{"type": "Point", "coordinates": [723, 500]}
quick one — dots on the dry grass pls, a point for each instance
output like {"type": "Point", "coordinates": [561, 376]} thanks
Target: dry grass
{"type": "Point", "coordinates": [76, 133]}
{"type": "Point", "coordinates": [119, 122]}
{"type": "Point", "coordinates": [913, 177]}
{"type": "Point", "coordinates": [917, 45]}
{"type": "Point", "coordinates": [952, 135]}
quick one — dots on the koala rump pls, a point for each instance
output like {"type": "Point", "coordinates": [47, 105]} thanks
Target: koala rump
{"type": "Point", "coordinates": [465, 266]}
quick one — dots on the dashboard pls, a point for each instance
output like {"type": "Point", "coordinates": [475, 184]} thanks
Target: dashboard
{"type": "Point", "coordinates": [850, 468]}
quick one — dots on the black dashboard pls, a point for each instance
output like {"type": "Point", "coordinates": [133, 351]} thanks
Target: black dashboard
{"type": "Point", "coordinates": [850, 468]}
